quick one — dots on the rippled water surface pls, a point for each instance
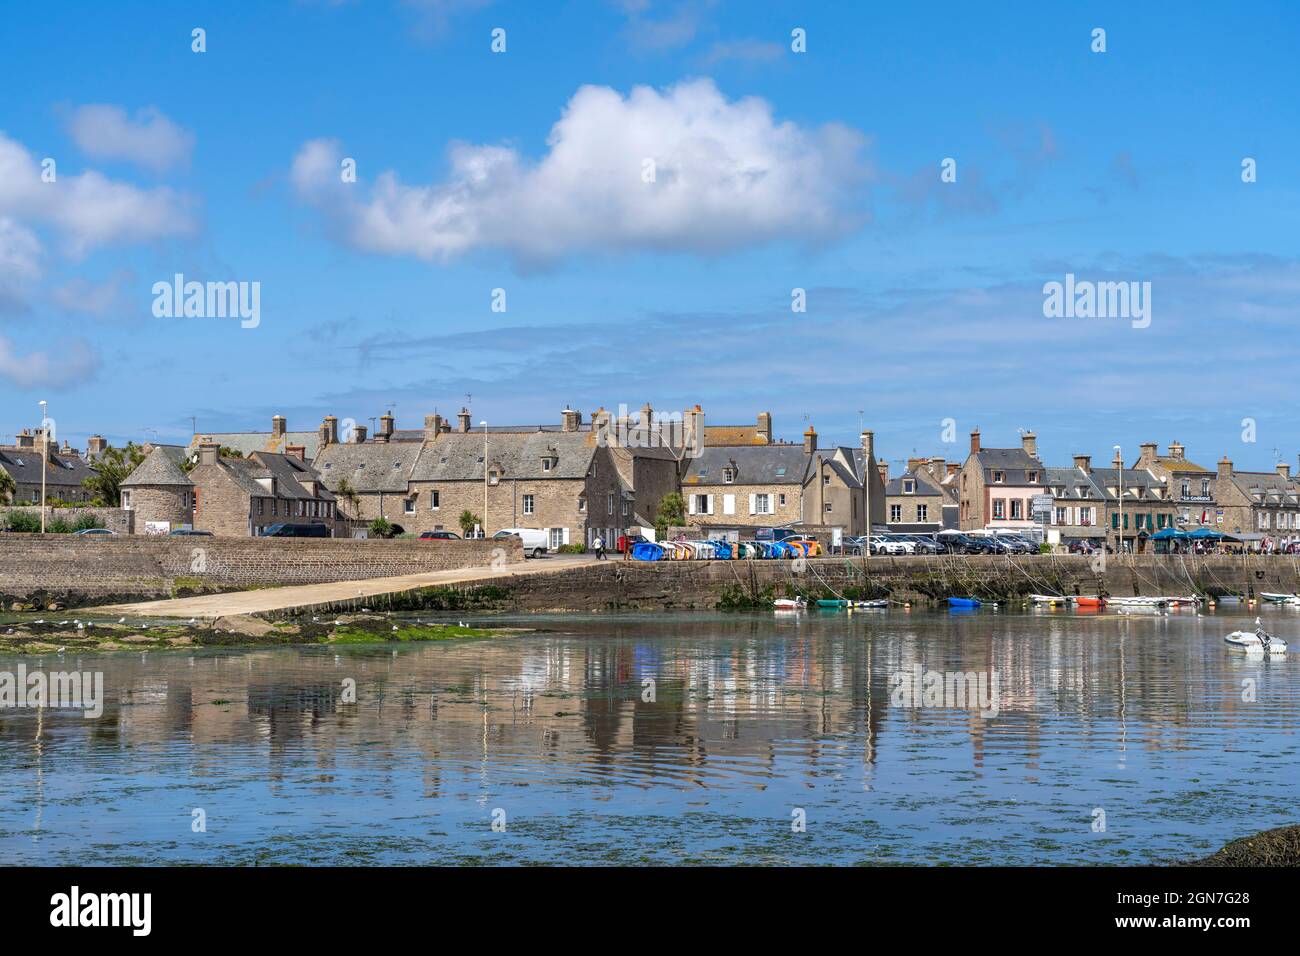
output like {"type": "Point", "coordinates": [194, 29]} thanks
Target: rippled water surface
{"type": "Point", "coordinates": [671, 738]}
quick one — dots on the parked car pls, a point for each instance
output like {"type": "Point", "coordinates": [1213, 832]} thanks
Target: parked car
{"type": "Point", "coordinates": [956, 543]}
{"type": "Point", "coordinates": [188, 531]}
{"type": "Point", "coordinates": [534, 539]}
{"type": "Point", "coordinates": [924, 544]}
{"type": "Point", "coordinates": [774, 534]}
{"type": "Point", "coordinates": [88, 531]}
{"type": "Point", "coordinates": [439, 536]}
{"type": "Point", "coordinates": [1016, 544]}
{"type": "Point", "coordinates": [296, 531]}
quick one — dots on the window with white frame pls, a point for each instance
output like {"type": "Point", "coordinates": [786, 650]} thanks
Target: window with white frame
{"type": "Point", "coordinates": [922, 512]}
{"type": "Point", "coordinates": [528, 504]}
{"type": "Point", "coordinates": [895, 513]}
{"type": "Point", "coordinates": [762, 505]}
{"type": "Point", "coordinates": [433, 501]}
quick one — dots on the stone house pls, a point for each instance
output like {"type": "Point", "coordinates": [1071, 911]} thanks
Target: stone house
{"type": "Point", "coordinates": [159, 493]}
{"type": "Point", "coordinates": [1190, 486]}
{"type": "Point", "coordinates": [914, 502]}
{"type": "Point", "coordinates": [563, 483]}
{"type": "Point", "coordinates": [241, 497]}
{"type": "Point", "coordinates": [1078, 504]}
{"type": "Point", "coordinates": [1147, 504]}
{"type": "Point", "coordinates": [997, 485]}
{"type": "Point", "coordinates": [778, 484]}
{"type": "Point", "coordinates": [1258, 505]}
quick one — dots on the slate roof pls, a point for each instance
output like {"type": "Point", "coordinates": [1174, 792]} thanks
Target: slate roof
{"type": "Point", "coordinates": [836, 458]}
{"type": "Point", "coordinates": [25, 467]}
{"type": "Point", "coordinates": [1146, 482]}
{"type": "Point", "coordinates": [1267, 488]}
{"type": "Point", "coordinates": [1015, 463]}
{"type": "Point", "coordinates": [458, 456]}
{"type": "Point", "coordinates": [285, 469]}
{"type": "Point", "coordinates": [1072, 479]}
{"type": "Point", "coordinates": [924, 489]}
{"type": "Point", "coordinates": [369, 466]}
{"type": "Point", "coordinates": [162, 466]}
{"type": "Point", "coordinates": [779, 464]}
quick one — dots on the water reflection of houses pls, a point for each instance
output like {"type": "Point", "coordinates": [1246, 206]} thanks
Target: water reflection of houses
{"type": "Point", "coordinates": [732, 698]}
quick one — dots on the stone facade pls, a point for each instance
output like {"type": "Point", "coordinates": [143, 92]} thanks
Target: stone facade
{"type": "Point", "coordinates": [1258, 503]}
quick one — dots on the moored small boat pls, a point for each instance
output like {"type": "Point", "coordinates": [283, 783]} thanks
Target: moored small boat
{"type": "Point", "coordinates": [789, 604]}
{"type": "Point", "coordinates": [832, 602]}
{"type": "Point", "coordinates": [877, 603]}
{"type": "Point", "coordinates": [964, 602]}
{"type": "Point", "coordinates": [1052, 599]}
{"type": "Point", "coordinates": [1087, 601]}
{"type": "Point", "coordinates": [1280, 598]}
{"type": "Point", "coordinates": [1259, 641]}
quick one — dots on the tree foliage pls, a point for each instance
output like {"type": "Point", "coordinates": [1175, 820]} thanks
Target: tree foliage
{"type": "Point", "coordinates": [111, 469]}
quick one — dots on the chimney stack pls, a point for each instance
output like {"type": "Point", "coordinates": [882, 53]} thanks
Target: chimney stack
{"type": "Point", "coordinates": [953, 468]}
{"type": "Point", "coordinates": [329, 431]}
{"type": "Point", "coordinates": [1029, 442]}
{"type": "Point", "coordinates": [975, 441]}
{"type": "Point", "coordinates": [1177, 451]}
{"type": "Point", "coordinates": [810, 440]}
{"type": "Point", "coordinates": [297, 451]}
{"type": "Point", "coordinates": [277, 426]}
{"type": "Point", "coordinates": [570, 419]}
{"type": "Point", "coordinates": [1083, 463]}
{"type": "Point", "coordinates": [386, 423]}
{"type": "Point", "coordinates": [209, 452]}
{"type": "Point", "coordinates": [1225, 467]}
{"type": "Point", "coordinates": [1147, 453]}
{"type": "Point", "coordinates": [693, 431]}
{"type": "Point", "coordinates": [463, 419]}
{"type": "Point", "coordinates": [432, 427]}
{"type": "Point", "coordinates": [882, 466]}
{"type": "Point", "coordinates": [1284, 470]}
{"type": "Point", "coordinates": [96, 446]}
{"type": "Point", "coordinates": [26, 439]}
{"type": "Point", "coordinates": [764, 428]}
{"type": "Point", "coordinates": [359, 434]}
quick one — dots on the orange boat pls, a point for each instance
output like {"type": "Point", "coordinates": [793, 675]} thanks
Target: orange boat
{"type": "Point", "coordinates": [1089, 602]}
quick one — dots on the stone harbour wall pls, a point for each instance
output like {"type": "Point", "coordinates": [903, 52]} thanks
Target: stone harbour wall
{"type": "Point", "coordinates": [58, 568]}
{"type": "Point", "coordinates": [702, 584]}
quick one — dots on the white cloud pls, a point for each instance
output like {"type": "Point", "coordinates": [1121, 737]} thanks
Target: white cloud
{"type": "Point", "coordinates": [150, 139]}
{"type": "Point", "coordinates": [68, 363]}
{"type": "Point", "coordinates": [92, 298]}
{"type": "Point", "coordinates": [727, 175]}
{"type": "Point", "coordinates": [88, 209]}
{"type": "Point", "coordinates": [20, 251]}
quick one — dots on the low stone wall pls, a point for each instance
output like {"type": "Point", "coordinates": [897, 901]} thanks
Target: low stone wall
{"type": "Point", "coordinates": [68, 570]}
{"type": "Point", "coordinates": [702, 584]}
{"type": "Point", "coordinates": [116, 519]}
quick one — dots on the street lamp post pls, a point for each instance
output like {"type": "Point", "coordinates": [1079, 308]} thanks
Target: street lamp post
{"type": "Point", "coordinates": [1119, 467]}
{"type": "Point", "coordinates": [485, 477]}
{"type": "Point", "coordinates": [45, 457]}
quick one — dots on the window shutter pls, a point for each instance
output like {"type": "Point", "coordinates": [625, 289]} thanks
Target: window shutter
{"type": "Point", "coordinates": [692, 504]}
{"type": "Point", "coordinates": [565, 538]}
{"type": "Point", "coordinates": [752, 504]}
{"type": "Point", "coordinates": [708, 500]}
{"type": "Point", "coordinates": [728, 504]}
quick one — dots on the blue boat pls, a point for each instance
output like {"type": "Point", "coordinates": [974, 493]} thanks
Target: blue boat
{"type": "Point", "coordinates": [647, 551]}
{"type": "Point", "coordinates": [963, 602]}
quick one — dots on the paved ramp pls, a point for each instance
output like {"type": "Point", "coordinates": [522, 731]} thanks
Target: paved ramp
{"type": "Point", "coordinates": [306, 595]}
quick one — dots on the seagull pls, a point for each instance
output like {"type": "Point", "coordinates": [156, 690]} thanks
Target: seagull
{"type": "Point", "coordinates": [39, 621]}
{"type": "Point", "coordinates": [193, 620]}
{"type": "Point", "coordinates": [394, 627]}
{"type": "Point", "coordinates": [61, 650]}
{"type": "Point", "coordinates": [121, 620]}
{"type": "Point", "coordinates": [80, 626]}
{"type": "Point", "coordinates": [61, 623]}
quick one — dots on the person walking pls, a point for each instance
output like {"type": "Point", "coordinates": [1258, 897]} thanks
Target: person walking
{"type": "Point", "coordinates": [599, 545]}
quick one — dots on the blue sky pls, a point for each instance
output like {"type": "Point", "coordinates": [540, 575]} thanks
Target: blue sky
{"type": "Point", "coordinates": [776, 170]}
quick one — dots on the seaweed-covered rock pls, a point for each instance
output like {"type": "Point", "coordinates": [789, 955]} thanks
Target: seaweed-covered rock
{"type": "Point", "coordinates": [1280, 847]}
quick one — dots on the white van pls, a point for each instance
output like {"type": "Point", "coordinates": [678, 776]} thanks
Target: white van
{"type": "Point", "coordinates": [534, 539]}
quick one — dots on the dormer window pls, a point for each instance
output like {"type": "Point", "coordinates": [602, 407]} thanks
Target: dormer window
{"type": "Point", "coordinates": [999, 477]}
{"type": "Point", "coordinates": [909, 486]}
{"type": "Point", "coordinates": [1033, 477]}
{"type": "Point", "coordinates": [546, 464]}
{"type": "Point", "coordinates": [729, 475]}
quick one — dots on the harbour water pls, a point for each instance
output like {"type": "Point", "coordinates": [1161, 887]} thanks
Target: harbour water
{"type": "Point", "coordinates": [672, 739]}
